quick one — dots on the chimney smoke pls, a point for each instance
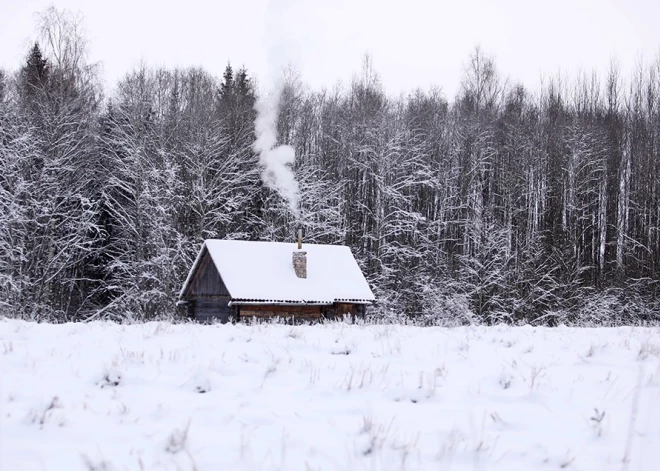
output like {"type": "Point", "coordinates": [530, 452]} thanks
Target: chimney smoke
{"type": "Point", "coordinates": [276, 161]}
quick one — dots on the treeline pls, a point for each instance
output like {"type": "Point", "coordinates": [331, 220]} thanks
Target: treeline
{"type": "Point", "coordinates": [500, 205]}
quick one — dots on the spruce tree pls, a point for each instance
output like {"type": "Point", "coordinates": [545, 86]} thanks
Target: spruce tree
{"type": "Point", "coordinates": [36, 68]}
{"type": "Point", "coordinates": [227, 85]}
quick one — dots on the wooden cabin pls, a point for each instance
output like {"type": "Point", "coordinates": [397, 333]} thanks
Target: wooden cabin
{"type": "Point", "coordinates": [236, 280]}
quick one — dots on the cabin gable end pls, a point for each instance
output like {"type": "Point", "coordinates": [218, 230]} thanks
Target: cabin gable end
{"type": "Point", "coordinates": [206, 281]}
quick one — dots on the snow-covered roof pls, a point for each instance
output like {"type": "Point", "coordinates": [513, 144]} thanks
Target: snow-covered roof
{"type": "Point", "coordinates": [262, 272]}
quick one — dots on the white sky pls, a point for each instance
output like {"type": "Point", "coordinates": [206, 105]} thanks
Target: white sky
{"type": "Point", "coordinates": [413, 43]}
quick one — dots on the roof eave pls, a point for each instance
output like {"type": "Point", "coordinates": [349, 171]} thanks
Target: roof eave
{"type": "Point", "coordinates": [283, 302]}
{"type": "Point", "coordinates": [192, 271]}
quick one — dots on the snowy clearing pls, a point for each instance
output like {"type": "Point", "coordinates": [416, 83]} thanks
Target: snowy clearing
{"type": "Point", "coordinates": [103, 396]}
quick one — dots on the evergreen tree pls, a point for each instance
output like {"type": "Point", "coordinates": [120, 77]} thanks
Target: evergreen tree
{"type": "Point", "coordinates": [35, 71]}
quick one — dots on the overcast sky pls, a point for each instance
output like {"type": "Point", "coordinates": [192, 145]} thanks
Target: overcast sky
{"type": "Point", "coordinates": [413, 43]}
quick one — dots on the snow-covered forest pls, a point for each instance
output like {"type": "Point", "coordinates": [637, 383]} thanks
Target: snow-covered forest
{"type": "Point", "coordinates": [498, 204]}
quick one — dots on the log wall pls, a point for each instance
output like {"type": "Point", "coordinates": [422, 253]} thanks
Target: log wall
{"type": "Point", "coordinates": [271, 310]}
{"type": "Point", "coordinates": [209, 309]}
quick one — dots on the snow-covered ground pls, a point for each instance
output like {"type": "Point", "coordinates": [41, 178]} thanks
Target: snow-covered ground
{"type": "Point", "coordinates": [102, 396]}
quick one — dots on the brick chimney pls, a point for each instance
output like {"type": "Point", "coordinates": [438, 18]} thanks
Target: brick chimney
{"type": "Point", "coordinates": [300, 259]}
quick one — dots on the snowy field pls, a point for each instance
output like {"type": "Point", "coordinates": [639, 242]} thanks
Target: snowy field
{"type": "Point", "coordinates": [103, 396]}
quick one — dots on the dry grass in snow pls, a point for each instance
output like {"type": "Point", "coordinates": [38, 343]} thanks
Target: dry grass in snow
{"type": "Point", "coordinates": [103, 396]}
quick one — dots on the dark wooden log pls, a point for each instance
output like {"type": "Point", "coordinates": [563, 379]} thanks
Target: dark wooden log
{"type": "Point", "coordinates": [270, 310]}
{"type": "Point", "coordinates": [282, 308]}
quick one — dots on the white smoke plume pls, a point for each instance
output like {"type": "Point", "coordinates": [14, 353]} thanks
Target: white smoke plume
{"type": "Point", "coordinates": [276, 161]}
